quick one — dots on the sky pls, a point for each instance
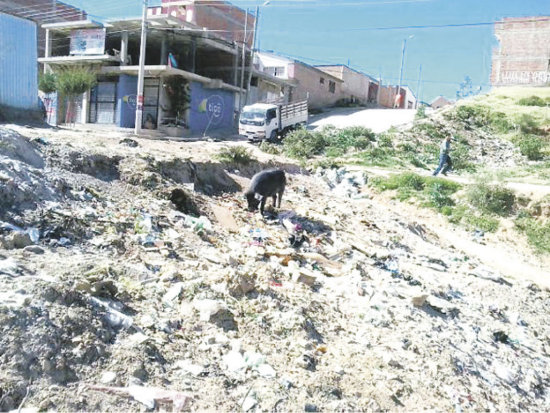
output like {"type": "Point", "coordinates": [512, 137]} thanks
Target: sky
{"type": "Point", "coordinates": [368, 35]}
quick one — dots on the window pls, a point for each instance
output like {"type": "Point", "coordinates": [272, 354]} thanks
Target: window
{"type": "Point", "coordinates": [277, 71]}
{"type": "Point", "coordinates": [322, 80]}
{"type": "Point", "coordinates": [331, 86]}
{"type": "Point", "coordinates": [271, 114]}
{"type": "Point", "coordinates": [254, 81]}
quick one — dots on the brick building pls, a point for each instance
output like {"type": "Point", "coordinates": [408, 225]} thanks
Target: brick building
{"type": "Point", "coordinates": [523, 55]}
{"type": "Point", "coordinates": [357, 87]}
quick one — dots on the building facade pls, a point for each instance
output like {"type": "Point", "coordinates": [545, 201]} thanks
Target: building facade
{"type": "Point", "coordinates": [387, 97]}
{"type": "Point", "coordinates": [320, 88]}
{"type": "Point", "coordinates": [357, 87]}
{"type": "Point", "coordinates": [523, 55]}
{"type": "Point", "coordinates": [18, 69]}
{"type": "Point", "coordinates": [192, 75]}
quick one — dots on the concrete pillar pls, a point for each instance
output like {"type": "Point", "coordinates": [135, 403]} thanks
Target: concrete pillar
{"type": "Point", "coordinates": [124, 48]}
{"type": "Point", "coordinates": [47, 49]}
{"type": "Point", "coordinates": [164, 51]}
{"type": "Point", "coordinates": [236, 64]}
{"type": "Point", "coordinates": [85, 106]}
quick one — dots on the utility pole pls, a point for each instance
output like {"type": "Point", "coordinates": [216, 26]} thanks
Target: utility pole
{"type": "Point", "coordinates": [253, 52]}
{"type": "Point", "coordinates": [243, 63]}
{"type": "Point", "coordinates": [401, 72]}
{"type": "Point", "coordinates": [418, 86]}
{"type": "Point", "coordinates": [141, 73]}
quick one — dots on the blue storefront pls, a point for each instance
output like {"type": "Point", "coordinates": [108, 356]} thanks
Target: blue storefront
{"type": "Point", "coordinates": [114, 101]}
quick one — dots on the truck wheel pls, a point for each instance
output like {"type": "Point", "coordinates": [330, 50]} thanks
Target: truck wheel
{"type": "Point", "coordinates": [273, 137]}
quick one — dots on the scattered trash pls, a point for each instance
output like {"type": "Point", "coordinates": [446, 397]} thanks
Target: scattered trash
{"type": "Point", "coordinates": [149, 396]}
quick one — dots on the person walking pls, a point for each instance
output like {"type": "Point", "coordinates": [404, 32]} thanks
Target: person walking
{"type": "Point", "coordinates": [445, 162]}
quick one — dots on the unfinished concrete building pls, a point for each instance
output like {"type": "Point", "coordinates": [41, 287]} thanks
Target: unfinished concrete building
{"type": "Point", "coordinates": [523, 55]}
{"type": "Point", "coordinates": [181, 52]}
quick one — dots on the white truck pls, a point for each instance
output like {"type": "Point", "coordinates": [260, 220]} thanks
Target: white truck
{"type": "Point", "coordinates": [262, 121]}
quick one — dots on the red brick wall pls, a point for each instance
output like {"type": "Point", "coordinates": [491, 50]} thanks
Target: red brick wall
{"type": "Point", "coordinates": [226, 20]}
{"type": "Point", "coordinates": [524, 53]}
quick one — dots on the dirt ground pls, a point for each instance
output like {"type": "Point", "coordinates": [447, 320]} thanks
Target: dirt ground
{"type": "Point", "coordinates": [341, 300]}
{"type": "Point", "coordinates": [378, 120]}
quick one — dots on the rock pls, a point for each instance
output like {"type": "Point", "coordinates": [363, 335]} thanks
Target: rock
{"type": "Point", "coordinates": [265, 370]}
{"type": "Point", "coordinates": [34, 249]}
{"type": "Point", "coordinates": [108, 377]}
{"type": "Point", "coordinates": [19, 240]}
{"type": "Point", "coordinates": [242, 284]}
{"type": "Point", "coordinates": [173, 293]}
{"type": "Point", "coordinates": [189, 368]}
{"type": "Point", "coordinates": [309, 407]}
{"type": "Point", "coordinates": [105, 288]}
{"type": "Point", "coordinates": [215, 312]}
{"type": "Point", "coordinates": [249, 402]}
{"type": "Point", "coordinates": [419, 300]}
{"type": "Point", "coordinates": [304, 276]}
{"type": "Point", "coordinates": [234, 361]}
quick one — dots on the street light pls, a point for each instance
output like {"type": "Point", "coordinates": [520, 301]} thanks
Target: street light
{"type": "Point", "coordinates": [402, 64]}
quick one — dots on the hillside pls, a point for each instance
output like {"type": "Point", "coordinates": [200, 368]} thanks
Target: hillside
{"type": "Point", "coordinates": [132, 277]}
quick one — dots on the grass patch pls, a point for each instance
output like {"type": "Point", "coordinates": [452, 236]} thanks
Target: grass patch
{"type": "Point", "coordinates": [534, 101]}
{"type": "Point", "coordinates": [481, 222]}
{"type": "Point", "coordinates": [329, 141]}
{"type": "Point", "coordinates": [537, 234]}
{"type": "Point", "coordinates": [492, 199]}
{"type": "Point", "coordinates": [433, 192]}
{"type": "Point", "coordinates": [531, 146]}
{"type": "Point", "coordinates": [271, 148]}
{"type": "Point", "coordinates": [235, 154]}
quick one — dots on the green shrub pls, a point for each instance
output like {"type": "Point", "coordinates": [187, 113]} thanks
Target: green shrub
{"type": "Point", "coordinates": [532, 101]}
{"type": "Point", "coordinates": [271, 148]}
{"type": "Point", "coordinates": [476, 115]}
{"type": "Point", "coordinates": [355, 137]}
{"type": "Point", "coordinates": [235, 154]}
{"type": "Point", "coordinates": [528, 124]}
{"type": "Point", "coordinates": [492, 199]}
{"type": "Point", "coordinates": [460, 156]}
{"type": "Point", "coordinates": [531, 146]}
{"type": "Point", "coordinates": [385, 140]}
{"type": "Point", "coordinates": [376, 155]}
{"type": "Point", "coordinates": [302, 143]}
{"type": "Point", "coordinates": [439, 196]}
{"type": "Point", "coordinates": [500, 123]}
{"type": "Point", "coordinates": [484, 223]}
{"type": "Point", "coordinates": [538, 234]}
{"type": "Point", "coordinates": [47, 82]}
{"type": "Point", "coordinates": [421, 112]}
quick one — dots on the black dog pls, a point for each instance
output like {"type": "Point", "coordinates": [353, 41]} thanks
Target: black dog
{"type": "Point", "coordinates": [270, 183]}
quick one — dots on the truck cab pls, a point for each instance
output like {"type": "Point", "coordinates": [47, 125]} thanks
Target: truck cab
{"type": "Point", "coordinates": [259, 121]}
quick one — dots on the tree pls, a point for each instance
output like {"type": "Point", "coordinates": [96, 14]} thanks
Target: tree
{"type": "Point", "coordinates": [466, 89]}
{"type": "Point", "coordinates": [73, 81]}
{"type": "Point", "coordinates": [47, 82]}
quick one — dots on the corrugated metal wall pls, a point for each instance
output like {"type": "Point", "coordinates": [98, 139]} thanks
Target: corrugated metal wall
{"type": "Point", "coordinates": [18, 63]}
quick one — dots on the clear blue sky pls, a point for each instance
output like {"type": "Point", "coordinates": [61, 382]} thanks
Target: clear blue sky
{"type": "Point", "coordinates": [338, 31]}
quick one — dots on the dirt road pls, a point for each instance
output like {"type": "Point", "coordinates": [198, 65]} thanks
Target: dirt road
{"type": "Point", "coordinates": [379, 120]}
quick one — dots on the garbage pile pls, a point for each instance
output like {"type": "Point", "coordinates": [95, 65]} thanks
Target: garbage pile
{"type": "Point", "coordinates": [334, 302]}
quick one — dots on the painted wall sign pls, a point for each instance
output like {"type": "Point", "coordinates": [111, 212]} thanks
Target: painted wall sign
{"type": "Point", "coordinates": [210, 108]}
{"type": "Point", "coordinates": [213, 106]}
{"type": "Point", "coordinates": [525, 77]}
{"type": "Point", "coordinates": [130, 100]}
{"type": "Point", "coordinates": [88, 42]}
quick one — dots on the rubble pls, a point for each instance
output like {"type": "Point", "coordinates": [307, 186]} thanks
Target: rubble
{"type": "Point", "coordinates": [172, 296]}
